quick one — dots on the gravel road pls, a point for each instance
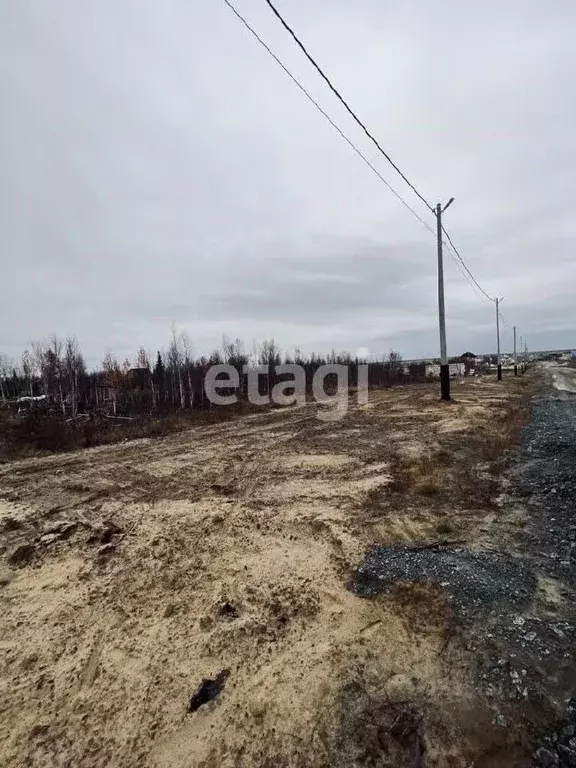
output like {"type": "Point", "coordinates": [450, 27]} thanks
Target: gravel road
{"type": "Point", "coordinates": [515, 599]}
{"type": "Point", "coordinates": [544, 476]}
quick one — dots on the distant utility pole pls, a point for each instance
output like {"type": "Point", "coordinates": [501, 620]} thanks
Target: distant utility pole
{"type": "Point", "coordinates": [498, 340]}
{"type": "Point", "coordinates": [444, 369]}
{"type": "Point", "coordinates": [515, 361]}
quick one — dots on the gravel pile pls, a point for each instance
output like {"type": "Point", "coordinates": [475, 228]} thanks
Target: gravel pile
{"type": "Point", "coordinates": [475, 583]}
{"type": "Point", "coordinates": [558, 748]}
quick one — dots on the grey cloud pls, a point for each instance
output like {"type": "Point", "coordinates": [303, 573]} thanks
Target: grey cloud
{"type": "Point", "coordinates": [159, 167]}
{"type": "Point", "coordinates": [324, 285]}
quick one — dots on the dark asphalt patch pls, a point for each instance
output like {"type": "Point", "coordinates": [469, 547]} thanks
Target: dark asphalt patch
{"type": "Point", "coordinates": [475, 583]}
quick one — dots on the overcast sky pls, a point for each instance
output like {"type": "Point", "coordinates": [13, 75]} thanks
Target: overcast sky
{"type": "Point", "coordinates": [157, 166]}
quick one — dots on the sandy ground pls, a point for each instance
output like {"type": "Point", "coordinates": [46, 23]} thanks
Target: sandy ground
{"type": "Point", "coordinates": [131, 572]}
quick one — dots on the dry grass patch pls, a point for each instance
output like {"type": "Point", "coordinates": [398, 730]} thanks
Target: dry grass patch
{"type": "Point", "coordinates": [409, 474]}
{"type": "Point", "coordinates": [456, 470]}
{"type": "Point", "coordinates": [494, 437]}
{"type": "Point", "coordinates": [445, 528]}
{"type": "Point", "coordinates": [424, 476]}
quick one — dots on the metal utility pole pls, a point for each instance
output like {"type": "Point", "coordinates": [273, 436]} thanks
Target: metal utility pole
{"type": "Point", "coordinates": [515, 361]}
{"type": "Point", "coordinates": [498, 340]}
{"type": "Point", "coordinates": [444, 369]}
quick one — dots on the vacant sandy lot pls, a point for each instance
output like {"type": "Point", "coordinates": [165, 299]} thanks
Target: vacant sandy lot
{"type": "Point", "coordinates": [129, 573]}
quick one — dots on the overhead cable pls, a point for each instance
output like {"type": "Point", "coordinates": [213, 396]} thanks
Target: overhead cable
{"type": "Point", "coordinates": [343, 101]}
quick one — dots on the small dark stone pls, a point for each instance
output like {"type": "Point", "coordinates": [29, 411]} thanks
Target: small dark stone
{"type": "Point", "coordinates": [208, 690]}
{"type": "Point", "coordinates": [62, 529]}
{"type": "Point", "coordinates": [547, 759]}
{"type": "Point", "coordinates": [104, 534]}
{"type": "Point", "coordinates": [228, 610]}
{"type": "Point", "coordinates": [567, 756]}
{"type": "Point", "coordinates": [110, 530]}
{"type": "Point", "coordinates": [39, 729]}
{"type": "Point", "coordinates": [11, 524]}
{"type": "Point", "coordinates": [22, 555]}
{"type": "Point", "coordinates": [106, 549]}
{"type": "Point", "coordinates": [67, 530]}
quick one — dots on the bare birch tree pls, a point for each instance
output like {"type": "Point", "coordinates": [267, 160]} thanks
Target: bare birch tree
{"type": "Point", "coordinates": [5, 366]}
{"type": "Point", "coordinates": [74, 368]}
{"type": "Point", "coordinates": [175, 360]}
{"type": "Point", "coordinates": [54, 359]}
{"type": "Point", "coordinates": [113, 377]}
{"type": "Point", "coordinates": [188, 360]}
{"type": "Point", "coordinates": [27, 362]}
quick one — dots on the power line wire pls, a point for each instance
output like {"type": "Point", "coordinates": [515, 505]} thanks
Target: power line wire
{"type": "Point", "coordinates": [471, 282]}
{"type": "Point", "coordinates": [325, 114]}
{"type": "Point", "coordinates": [343, 101]}
{"type": "Point", "coordinates": [361, 124]}
{"type": "Point", "coordinates": [461, 270]}
{"type": "Point", "coordinates": [476, 283]}
{"type": "Point", "coordinates": [449, 245]}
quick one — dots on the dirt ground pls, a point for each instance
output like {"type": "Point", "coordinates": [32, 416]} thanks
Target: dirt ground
{"type": "Point", "coordinates": [129, 573]}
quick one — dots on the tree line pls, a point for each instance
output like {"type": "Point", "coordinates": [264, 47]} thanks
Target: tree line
{"type": "Point", "coordinates": [52, 374]}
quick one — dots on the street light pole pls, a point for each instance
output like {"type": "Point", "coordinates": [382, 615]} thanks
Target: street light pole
{"type": "Point", "coordinates": [444, 369]}
{"type": "Point", "coordinates": [515, 361]}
